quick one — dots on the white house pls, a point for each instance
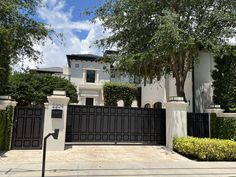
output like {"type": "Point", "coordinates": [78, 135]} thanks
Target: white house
{"type": "Point", "coordinates": [198, 87]}
{"type": "Point", "coordinates": [88, 75]}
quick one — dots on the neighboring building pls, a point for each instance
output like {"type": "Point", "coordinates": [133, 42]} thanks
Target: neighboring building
{"type": "Point", "coordinates": [198, 87]}
{"type": "Point", "coordinates": [54, 71]}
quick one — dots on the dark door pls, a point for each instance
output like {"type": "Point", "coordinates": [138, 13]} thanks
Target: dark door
{"type": "Point", "coordinates": [89, 101]}
{"type": "Point", "coordinates": [28, 128]}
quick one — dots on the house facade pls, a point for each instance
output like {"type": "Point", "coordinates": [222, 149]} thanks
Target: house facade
{"type": "Point", "coordinates": [88, 75]}
{"type": "Point", "coordinates": [198, 87]}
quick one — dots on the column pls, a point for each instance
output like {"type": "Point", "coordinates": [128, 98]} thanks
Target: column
{"type": "Point", "coordinates": [176, 120]}
{"type": "Point", "coordinates": [58, 101]}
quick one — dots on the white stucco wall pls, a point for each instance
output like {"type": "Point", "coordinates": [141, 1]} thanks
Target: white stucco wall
{"type": "Point", "coordinates": [203, 81]}
{"type": "Point", "coordinates": [91, 90]}
{"type": "Point", "coordinates": [160, 91]}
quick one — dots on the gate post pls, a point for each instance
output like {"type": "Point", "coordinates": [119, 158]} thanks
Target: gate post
{"type": "Point", "coordinates": [176, 120]}
{"type": "Point", "coordinates": [57, 103]}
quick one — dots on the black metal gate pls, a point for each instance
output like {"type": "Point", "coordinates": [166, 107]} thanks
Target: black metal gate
{"type": "Point", "coordinates": [115, 124]}
{"type": "Point", "coordinates": [198, 124]}
{"type": "Point", "coordinates": [28, 128]}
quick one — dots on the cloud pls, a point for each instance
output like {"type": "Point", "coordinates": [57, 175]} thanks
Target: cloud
{"type": "Point", "coordinates": [54, 53]}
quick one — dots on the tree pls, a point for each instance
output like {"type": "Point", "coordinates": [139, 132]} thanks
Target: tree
{"type": "Point", "coordinates": [224, 82]}
{"type": "Point", "coordinates": [161, 37]}
{"type": "Point", "coordinates": [19, 31]}
{"type": "Point", "coordinates": [27, 88]}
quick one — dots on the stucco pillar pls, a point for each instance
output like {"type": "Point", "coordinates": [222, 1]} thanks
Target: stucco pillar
{"type": "Point", "coordinates": [176, 120]}
{"type": "Point", "coordinates": [58, 101]}
{"type": "Point", "coordinates": [6, 101]}
{"type": "Point", "coordinates": [97, 77]}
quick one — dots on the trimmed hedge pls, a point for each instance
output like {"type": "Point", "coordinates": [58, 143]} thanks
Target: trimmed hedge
{"type": "Point", "coordinates": [5, 127]}
{"type": "Point", "coordinates": [223, 128]}
{"type": "Point", "coordinates": [114, 92]}
{"type": "Point", "coordinates": [206, 149]}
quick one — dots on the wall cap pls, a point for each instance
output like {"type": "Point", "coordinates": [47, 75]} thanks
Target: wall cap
{"type": "Point", "coordinates": [59, 93]}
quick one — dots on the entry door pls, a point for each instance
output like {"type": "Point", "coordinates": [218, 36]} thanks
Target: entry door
{"type": "Point", "coordinates": [89, 101]}
{"type": "Point", "coordinates": [28, 128]}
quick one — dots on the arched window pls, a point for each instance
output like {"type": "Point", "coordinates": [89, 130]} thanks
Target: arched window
{"type": "Point", "coordinates": [147, 105]}
{"type": "Point", "coordinates": [157, 105]}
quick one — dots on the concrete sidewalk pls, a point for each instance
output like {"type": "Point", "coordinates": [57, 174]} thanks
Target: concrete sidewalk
{"type": "Point", "coordinates": [107, 161]}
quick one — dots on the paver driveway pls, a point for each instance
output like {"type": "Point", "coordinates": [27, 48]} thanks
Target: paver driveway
{"type": "Point", "coordinates": [109, 161]}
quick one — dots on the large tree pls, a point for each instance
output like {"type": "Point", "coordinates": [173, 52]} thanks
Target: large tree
{"type": "Point", "coordinates": [155, 37]}
{"type": "Point", "coordinates": [19, 31]}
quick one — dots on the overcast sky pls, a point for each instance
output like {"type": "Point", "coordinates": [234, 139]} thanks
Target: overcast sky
{"type": "Point", "coordinates": [79, 33]}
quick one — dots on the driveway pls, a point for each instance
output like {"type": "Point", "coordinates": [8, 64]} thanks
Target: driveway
{"type": "Point", "coordinates": [109, 160]}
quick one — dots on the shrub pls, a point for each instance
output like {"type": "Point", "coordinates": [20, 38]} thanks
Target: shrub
{"type": "Point", "coordinates": [224, 77]}
{"type": "Point", "coordinates": [206, 148]}
{"type": "Point", "coordinates": [223, 128]}
{"type": "Point", "coordinates": [5, 127]}
{"type": "Point", "coordinates": [27, 88]}
{"type": "Point", "coordinates": [114, 92]}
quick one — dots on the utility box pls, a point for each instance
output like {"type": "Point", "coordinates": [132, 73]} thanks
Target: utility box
{"type": "Point", "coordinates": [56, 114]}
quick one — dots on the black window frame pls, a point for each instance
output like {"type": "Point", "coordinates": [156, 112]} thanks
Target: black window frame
{"type": "Point", "coordinates": [93, 79]}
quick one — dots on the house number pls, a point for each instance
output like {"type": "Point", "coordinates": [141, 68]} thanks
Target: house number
{"type": "Point", "coordinates": [57, 106]}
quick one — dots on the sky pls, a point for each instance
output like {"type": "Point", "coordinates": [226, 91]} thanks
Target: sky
{"type": "Point", "coordinates": [79, 34]}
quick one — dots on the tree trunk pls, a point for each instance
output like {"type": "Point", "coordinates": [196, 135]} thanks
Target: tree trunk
{"type": "Point", "coordinates": [180, 81]}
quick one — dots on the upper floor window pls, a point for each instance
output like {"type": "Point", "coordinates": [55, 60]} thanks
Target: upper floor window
{"type": "Point", "coordinates": [90, 76]}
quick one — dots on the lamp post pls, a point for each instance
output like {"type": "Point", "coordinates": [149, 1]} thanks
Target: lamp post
{"type": "Point", "coordinates": [55, 136]}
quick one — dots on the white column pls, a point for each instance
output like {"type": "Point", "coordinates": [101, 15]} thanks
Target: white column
{"type": "Point", "coordinates": [6, 101]}
{"type": "Point", "coordinates": [176, 121]}
{"type": "Point", "coordinates": [97, 77]}
{"type": "Point", "coordinates": [84, 76]}
{"type": "Point", "coordinates": [57, 101]}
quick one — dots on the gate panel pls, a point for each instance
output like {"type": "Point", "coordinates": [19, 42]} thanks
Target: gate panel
{"type": "Point", "coordinates": [28, 128]}
{"type": "Point", "coordinates": [198, 124]}
{"type": "Point", "coordinates": [115, 124]}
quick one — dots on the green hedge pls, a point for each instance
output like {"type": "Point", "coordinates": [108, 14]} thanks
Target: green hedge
{"type": "Point", "coordinates": [114, 92]}
{"type": "Point", "coordinates": [5, 127]}
{"type": "Point", "coordinates": [206, 149]}
{"type": "Point", "coordinates": [223, 128]}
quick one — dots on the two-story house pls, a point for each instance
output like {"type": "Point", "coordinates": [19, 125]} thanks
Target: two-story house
{"type": "Point", "coordinates": [88, 75]}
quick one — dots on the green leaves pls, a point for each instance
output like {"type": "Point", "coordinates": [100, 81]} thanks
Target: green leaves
{"type": "Point", "coordinates": [113, 92]}
{"type": "Point", "coordinates": [161, 37]}
{"type": "Point", "coordinates": [27, 88]}
{"type": "Point", "coordinates": [19, 31]}
{"type": "Point", "coordinates": [5, 127]}
{"type": "Point", "coordinates": [225, 79]}
{"type": "Point", "coordinates": [206, 149]}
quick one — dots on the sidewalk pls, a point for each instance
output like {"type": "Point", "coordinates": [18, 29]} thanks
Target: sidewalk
{"type": "Point", "coordinates": [98, 161]}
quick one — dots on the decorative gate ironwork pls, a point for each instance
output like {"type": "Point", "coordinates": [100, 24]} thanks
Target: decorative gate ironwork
{"type": "Point", "coordinates": [115, 124]}
{"type": "Point", "coordinates": [198, 124]}
{"type": "Point", "coordinates": [28, 127]}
